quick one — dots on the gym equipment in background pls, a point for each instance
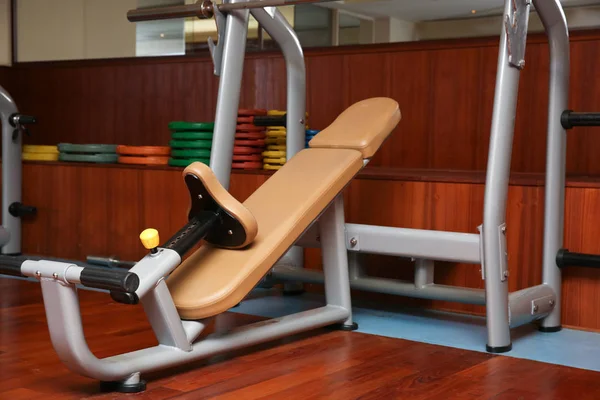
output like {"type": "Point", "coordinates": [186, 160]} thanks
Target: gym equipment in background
{"type": "Point", "coordinates": [88, 153]}
{"type": "Point", "coordinates": [143, 155]}
{"type": "Point", "coordinates": [190, 142]}
{"type": "Point", "coordinates": [39, 153]}
{"type": "Point", "coordinates": [14, 125]}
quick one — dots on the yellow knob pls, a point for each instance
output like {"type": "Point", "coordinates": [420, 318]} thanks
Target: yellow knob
{"type": "Point", "coordinates": [150, 238]}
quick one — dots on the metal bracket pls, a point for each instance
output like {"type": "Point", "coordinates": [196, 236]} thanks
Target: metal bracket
{"type": "Point", "coordinates": [543, 305]}
{"type": "Point", "coordinates": [216, 51]}
{"type": "Point", "coordinates": [503, 252]}
{"type": "Point", "coordinates": [481, 251]}
{"type": "Point", "coordinates": [516, 25]}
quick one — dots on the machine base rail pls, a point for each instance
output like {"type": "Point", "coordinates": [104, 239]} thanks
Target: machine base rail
{"type": "Point", "coordinates": [387, 286]}
{"type": "Point", "coordinates": [565, 258]}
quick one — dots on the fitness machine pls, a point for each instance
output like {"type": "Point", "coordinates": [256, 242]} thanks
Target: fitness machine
{"type": "Point", "coordinates": [14, 125]}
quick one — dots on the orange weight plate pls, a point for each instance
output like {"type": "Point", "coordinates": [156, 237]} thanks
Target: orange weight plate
{"type": "Point", "coordinates": [148, 160]}
{"type": "Point", "coordinates": [250, 143]}
{"type": "Point", "coordinates": [250, 128]}
{"type": "Point", "coordinates": [249, 157]}
{"type": "Point", "coordinates": [245, 120]}
{"type": "Point", "coordinates": [250, 135]}
{"type": "Point", "coordinates": [247, 165]}
{"type": "Point", "coordinates": [144, 150]}
{"type": "Point", "coordinates": [241, 150]}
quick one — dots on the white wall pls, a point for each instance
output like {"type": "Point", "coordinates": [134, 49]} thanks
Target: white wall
{"type": "Point", "coordinates": [50, 30]}
{"type": "Point", "coordinates": [5, 33]}
{"type": "Point", "coordinates": [402, 31]}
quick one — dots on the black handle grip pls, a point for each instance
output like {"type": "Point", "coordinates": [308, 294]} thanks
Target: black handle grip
{"type": "Point", "coordinates": [564, 258]}
{"type": "Point", "coordinates": [570, 119]}
{"type": "Point", "coordinates": [114, 280]}
{"type": "Point", "coordinates": [10, 266]}
{"type": "Point", "coordinates": [18, 210]}
{"type": "Point", "coordinates": [27, 119]}
{"type": "Point", "coordinates": [270, 120]}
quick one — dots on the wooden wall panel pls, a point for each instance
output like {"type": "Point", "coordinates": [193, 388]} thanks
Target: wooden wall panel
{"type": "Point", "coordinates": [445, 90]}
{"type": "Point", "coordinates": [95, 210]}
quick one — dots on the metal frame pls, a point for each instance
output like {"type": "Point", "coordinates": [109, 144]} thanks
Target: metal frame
{"type": "Point", "coordinates": [10, 232]}
{"type": "Point", "coordinates": [503, 311]}
{"type": "Point", "coordinates": [343, 243]}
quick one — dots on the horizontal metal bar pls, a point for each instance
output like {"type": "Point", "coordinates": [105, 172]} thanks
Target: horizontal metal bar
{"type": "Point", "coordinates": [202, 10]}
{"type": "Point", "coordinates": [416, 243]}
{"type": "Point", "coordinates": [205, 9]}
{"type": "Point", "coordinates": [387, 286]}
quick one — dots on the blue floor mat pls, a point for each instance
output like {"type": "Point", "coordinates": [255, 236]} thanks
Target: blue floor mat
{"type": "Point", "coordinates": [568, 347]}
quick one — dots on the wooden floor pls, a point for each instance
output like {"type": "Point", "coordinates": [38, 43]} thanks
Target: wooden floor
{"type": "Point", "coordinates": [320, 365]}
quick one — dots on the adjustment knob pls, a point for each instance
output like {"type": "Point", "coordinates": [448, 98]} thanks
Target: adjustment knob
{"type": "Point", "coordinates": [150, 239]}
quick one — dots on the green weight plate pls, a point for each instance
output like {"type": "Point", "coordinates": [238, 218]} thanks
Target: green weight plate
{"type": "Point", "coordinates": [190, 144]}
{"type": "Point", "coordinates": [200, 153]}
{"type": "Point", "coordinates": [87, 148]}
{"type": "Point", "coordinates": [191, 126]}
{"type": "Point", "coordinates": [192, 135]}
{"type": "Point", "coordinates": [184, 162]}
{"type": "Point", "coordinates": [90, 158]}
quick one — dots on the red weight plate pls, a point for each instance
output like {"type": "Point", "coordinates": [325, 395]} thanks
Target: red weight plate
{"type": "Point", "coordinates": [250, 112]}
{"type": "Point", "coordinates": [250, 128]}
{"type": "Point", "coordinates": [245, 120]}
{"type": "Point", "coordinates": [247, 165]}
{"type": "Point", "coordinates": [250, 143]}
{"type": "Point", "coordinates": [250, 157]}
{"type": "Point", "coordinates": [250, 135]}
{"type": "Point", "coordinates": [246, 150]}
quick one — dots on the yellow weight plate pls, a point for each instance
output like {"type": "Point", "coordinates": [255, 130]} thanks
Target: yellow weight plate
{"type": "Point", "coordinates": [274, 154]}
{"type": "Point", "coordinates": [276, 113]}
{"type": "Point", "coordinates": [281, 160]}
{"type": "Point", "coordinates": [39, 157]}
{"type": "Point", "coordinates": [29, 148]}
{"type": "Point", "coordinates": [277, 134]}
{"type": "Point", "coordinates": [272, 167]}
{"type": "Point", "coordinates": [275, 141]}
{"type": "Point", "coordinates": [277, 147]}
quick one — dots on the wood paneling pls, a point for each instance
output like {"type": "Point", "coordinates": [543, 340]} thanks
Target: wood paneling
{"type": "Point", "coordinates": [100, 210]}
{"type": "Point", "coordinates": [317, 365]}
{"type": "Point", "coordinates": [445, 90]}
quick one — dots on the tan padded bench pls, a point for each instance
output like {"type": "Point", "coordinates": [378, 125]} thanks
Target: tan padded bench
{"type": "Point", "coordinates": [212, 280]}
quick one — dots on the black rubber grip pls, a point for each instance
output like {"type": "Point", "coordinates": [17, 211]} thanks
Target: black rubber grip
{"type": "Point", "coordinates": [570, 119]}
{"type": "Point", "coordinates": [270, 120]}
{"type": "Point", "coordinates": [192, 233]}
{"type": "Point", "coordinates": [10, 266]}
{"type": "Point", "coordinates": [564, 258]}
{"type": "Point", "coordinates": [27, 119]}
{"type": "Point", "coordinates": [110, 279]}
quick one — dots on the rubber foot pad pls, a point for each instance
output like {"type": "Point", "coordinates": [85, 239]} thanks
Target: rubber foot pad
{"type": "Point", "coordinates": [192, 135]}
{"type": "Point", "coordinates": [550, 329]}
{"type": "Point", "coordinates": [498, 350]}
{"type": "Point", "coordinates": [190, 144]}
{"type": "Point", "coordinates": [243, 112]}
{"type": "Point", "coordinates": [120, 387]}
{"type": "Point", "coordinates": [177, 126]}
{"type": "Point", "coordinates": [143, 160]}
{"type": "Point", "coordinates": [144, 150]}
{"type": "Point", "coordinates": [347, 328]}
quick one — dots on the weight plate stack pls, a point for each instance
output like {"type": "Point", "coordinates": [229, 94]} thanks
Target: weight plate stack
{"type": "Point", "coordinates": [39, 153]}
{"type": "Point", "coordinates": [143, 155]}
{"type": "Point", "coordinates": [249, 140]}
{"type": "Point", "coordinates": [310, 133]}
{"type": "Point", "coordinates": [190, 142]}
{"type": "Point", "coordinates": [275, 154]}
{"type": "Point", "coordinates": [88, 153]}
